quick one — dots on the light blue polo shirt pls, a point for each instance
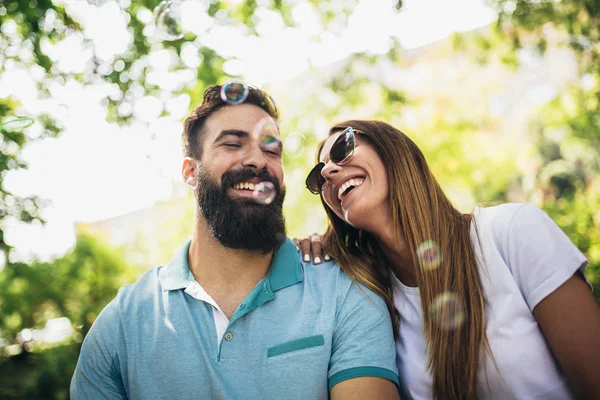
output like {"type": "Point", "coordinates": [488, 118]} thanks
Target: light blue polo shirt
{"type": "Point", "coordinates": [302, 329]}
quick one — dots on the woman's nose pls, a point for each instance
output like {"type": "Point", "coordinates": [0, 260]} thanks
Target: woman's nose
{"type": "Point", "coordinates": [330, 169]}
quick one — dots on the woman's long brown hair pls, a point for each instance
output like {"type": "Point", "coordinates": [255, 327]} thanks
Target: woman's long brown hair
{"type": "Point", "coordinates": [423, 212]}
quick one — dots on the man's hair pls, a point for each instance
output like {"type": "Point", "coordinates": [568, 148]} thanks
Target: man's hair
{"type": "Point", "coordinates": [194, 123]}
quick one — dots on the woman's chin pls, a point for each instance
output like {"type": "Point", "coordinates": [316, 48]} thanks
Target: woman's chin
{"type": "Point", "coordinates": [354, 218]}
{"type": "Point", "coordinates": [364, 216]}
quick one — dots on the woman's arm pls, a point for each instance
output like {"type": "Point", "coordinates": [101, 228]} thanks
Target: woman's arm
{"type": "Point", "coordinates": [570, 320]}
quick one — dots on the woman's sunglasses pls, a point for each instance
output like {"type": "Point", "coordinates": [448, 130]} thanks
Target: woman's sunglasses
{"type": "Point", "coordinates": [341, 152]}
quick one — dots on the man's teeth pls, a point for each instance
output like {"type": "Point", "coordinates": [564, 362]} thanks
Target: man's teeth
{"type": "Point", "coordinates": [247, 186]}
{"type": "Point", "coordinates": [347, 184]}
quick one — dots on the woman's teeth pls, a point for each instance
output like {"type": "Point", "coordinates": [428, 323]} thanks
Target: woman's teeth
{"type": "Point", "coordinates": [349, 183]}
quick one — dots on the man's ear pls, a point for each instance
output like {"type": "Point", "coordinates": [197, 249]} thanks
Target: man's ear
{"type": "Point", "coordinates": [188, 171]}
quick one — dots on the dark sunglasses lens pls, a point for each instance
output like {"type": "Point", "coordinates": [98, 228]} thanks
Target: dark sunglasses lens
{"type": "Point", "coordinates": [343, 146]}
{"type": "Point", "coordinates": [315, 181]}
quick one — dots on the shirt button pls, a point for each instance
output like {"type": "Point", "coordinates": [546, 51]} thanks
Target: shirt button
{"type": "Point", "coordinates": [228, 336]}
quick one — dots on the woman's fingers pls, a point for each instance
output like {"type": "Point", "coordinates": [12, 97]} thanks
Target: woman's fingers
{"type": "Point", "coordinates": [305, 247]}
{"type": "Point", "coordinates": [316, 247]}
{"type": "Point", "coordinates": [311, 245]}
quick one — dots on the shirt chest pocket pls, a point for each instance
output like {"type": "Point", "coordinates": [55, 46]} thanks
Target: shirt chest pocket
{"type": "Point", "coordinates": [296, 346]}
{"type": "Point", "coordinates": [292, 365]}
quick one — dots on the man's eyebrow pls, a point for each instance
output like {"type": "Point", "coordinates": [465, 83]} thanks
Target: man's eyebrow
{"type": "Point", "coordinates": [232, 132]}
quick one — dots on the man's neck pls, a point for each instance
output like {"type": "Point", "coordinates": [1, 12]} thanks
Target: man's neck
{"type": "Point", "coordinates": [219, 269]}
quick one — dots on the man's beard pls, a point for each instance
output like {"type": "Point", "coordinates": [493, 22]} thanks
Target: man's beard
{"type": "Point", "coordinates": [241, 223]}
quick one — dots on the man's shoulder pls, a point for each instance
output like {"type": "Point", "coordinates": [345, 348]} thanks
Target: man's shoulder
{"type": "Point", "coordinates": [325, 272]}
{"type": "Point", "coordinates": [329, 278]}
{"type": "Point", "coordinates": [140, 292]}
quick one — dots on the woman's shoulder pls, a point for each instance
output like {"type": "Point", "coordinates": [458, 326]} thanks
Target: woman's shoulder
{"type": "Point", "coordinates": [502, 211]}
{"type": "Point", "coordinates": [499, 218]}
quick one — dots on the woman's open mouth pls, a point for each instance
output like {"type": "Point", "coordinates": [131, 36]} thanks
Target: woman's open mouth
{"type": "Point", "coordinates": [349, 186]}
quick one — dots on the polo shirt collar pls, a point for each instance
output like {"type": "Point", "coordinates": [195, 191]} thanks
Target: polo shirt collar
{"type": "Point", "coordinates": [176, 274]}
{"type": "Point", "coordinates": [286, 268]}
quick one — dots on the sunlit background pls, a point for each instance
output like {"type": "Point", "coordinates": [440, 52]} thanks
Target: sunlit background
{"type": "Point", "coordinates": [501, 95]}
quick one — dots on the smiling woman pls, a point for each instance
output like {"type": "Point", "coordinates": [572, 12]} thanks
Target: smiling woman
{"type": "Point", "coordinates": [477, 294]}
{"type": "Point", "coordinates": [342, 192]}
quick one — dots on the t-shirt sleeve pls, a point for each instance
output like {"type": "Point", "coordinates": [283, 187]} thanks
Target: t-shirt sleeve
{"type": "Point", "coordinates": [541, 256]}
{"type": "Point", "coordinates": [97, 374]}
{"type": "Point", "coordinates": [363, 339]}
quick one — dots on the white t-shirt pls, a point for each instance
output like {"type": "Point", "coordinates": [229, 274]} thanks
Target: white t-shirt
{"type": "Point", "coordinates": [527, 257]}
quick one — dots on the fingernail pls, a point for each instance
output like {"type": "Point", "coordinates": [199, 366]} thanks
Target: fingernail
{"type": "Point", "coordinates": [317, 260]}
{"type": "Point", "coordinates": [306, 258]}
{"type": "Point", "coordinates": [327, 257]}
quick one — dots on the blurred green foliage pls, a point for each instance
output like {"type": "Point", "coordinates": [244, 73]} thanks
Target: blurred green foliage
{"type": "Point", "coordinates": [77, 286]}
{"type": "Point", "coordinates": [565, 136]}
{"type": "Point", "coordinates": [566, 132]}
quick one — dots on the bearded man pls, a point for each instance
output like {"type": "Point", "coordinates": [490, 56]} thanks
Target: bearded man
{"type": "Point", "coordinates": [236, 314]}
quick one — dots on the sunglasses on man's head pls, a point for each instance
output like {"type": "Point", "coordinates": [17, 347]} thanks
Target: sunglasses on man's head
{"type": "Point", "coordinates": [340, 153]}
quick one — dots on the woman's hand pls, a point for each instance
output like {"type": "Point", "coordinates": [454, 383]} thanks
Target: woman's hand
{"type": "Point", "coordinates": [311, 244]}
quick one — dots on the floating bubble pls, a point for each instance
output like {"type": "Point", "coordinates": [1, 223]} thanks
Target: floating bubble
{"type": "Point", "coordinates": [167, 20]}
{"type": "Point", "coordinates": [16, 124]}
{"type": "Point", "coordinates": [294, 144]}
{"type": "Point", "coordinates": [234, 92]}
{"type": "Point", "coordinates": [448, 311]}
{"type": "Point", "coordinates": [268, 135]}
{"type": "Point", "coordinates": [429, 255]}
{"type": "Point", "coordinates": [268, 132]}
{"type": "Point", "coordinates": [264, 193]}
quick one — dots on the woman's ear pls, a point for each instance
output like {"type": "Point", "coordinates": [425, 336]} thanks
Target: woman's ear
{"type": "Point", "coordinates": [188, 171]}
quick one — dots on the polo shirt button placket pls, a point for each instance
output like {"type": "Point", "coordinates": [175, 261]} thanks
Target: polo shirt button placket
{"type": "Point", "coordinates": [228, 336]}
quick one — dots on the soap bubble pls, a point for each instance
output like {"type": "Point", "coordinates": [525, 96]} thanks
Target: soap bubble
{"type": "Point", "coordinates": [234, 92]}
{"type": "Point", "coordinates": [448, 311]}
{"type": "Point", "coordinates": [167, 20]}
{"type": "Point", "coordinates": [264, 192]}
{"type": "Point", "coordinates": [294, 144]}
{"type": "Point", "coordinates": [429, 255]}
{"type": "Point", "coordinates": [268, 135]}
{"type": "Point", "coordinates": [16, 124]}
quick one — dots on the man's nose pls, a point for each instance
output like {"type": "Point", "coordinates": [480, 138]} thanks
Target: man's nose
{"type": "Point", "coordinates": [254, 158]}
